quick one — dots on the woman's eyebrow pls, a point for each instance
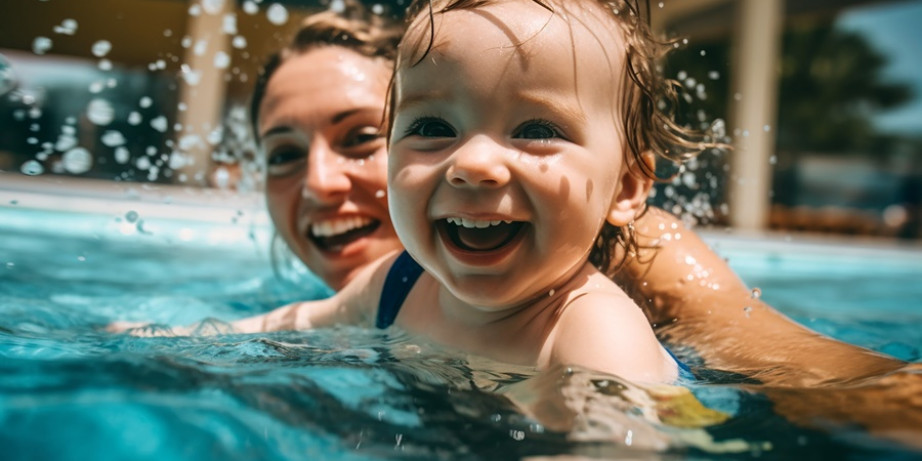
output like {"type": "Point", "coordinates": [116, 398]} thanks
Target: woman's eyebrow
{"type": "Point", "coordinates": [276, 130]}
{"type": "Point", "coordinates": [338, 117]}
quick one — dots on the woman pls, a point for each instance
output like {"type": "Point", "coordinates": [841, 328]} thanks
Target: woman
{"type": "Point", "coordinates": [317, 111]}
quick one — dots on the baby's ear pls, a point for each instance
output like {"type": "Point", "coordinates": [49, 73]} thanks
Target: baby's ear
{"type": "Point", "coordinates": [632, 191]}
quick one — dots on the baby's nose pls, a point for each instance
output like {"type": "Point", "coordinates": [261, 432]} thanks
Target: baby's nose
{"type": "Point", "coordinates": [479, 162]}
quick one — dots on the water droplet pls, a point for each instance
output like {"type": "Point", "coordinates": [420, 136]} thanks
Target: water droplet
{"type": "Point", "coordinates": [377, 8]}
{"type": "Point", "coordinates": [551, 293]}
{"type": "Point", "coordinates": [32, 168]}
{"type": "Point", "coordinates": [101, 48]}
{"type": "Point", "coordinates": [337, 6]}
{"type": "Point", "coordinates": [517, 435]}
{"type": "Point", "coordinates": [77, 160]}
{"type": "Point", "coordinates": [747, 310]}
{"type": "Point", "coordinates": [380, 193]}
{"type": "Point", "coordinates": [250, 7]}
{"type": "Point", "coordinates": [100, 112]}
{"type": "Point", "coordinates": [221, 60]}
{"type": "Point", "coordinates": [40, 45]}
{"type": "Point", "coordinates": [239, 42]}
{"type": "Point", "coordinates": [7, 77]}
{"type": "Point", "coordinates": [756, 293]}
{"type": "Point", "coordinates": [122, 155]}
{"type": "Point", "coordinates": [67, 27]}
{"type": "Point", "coordinates": [191, 77]}
{"type": "Point", "coordinates": [277, 14]}
{"type": "Point", "coordinates": [213, 6]}
{"type": "Point", "coordinates": [629, 438]}
{"type": "Point", "coordinates": [112, 138]}
{"type": "Point", "coordinates": [229, 24]}
{"type": "Point", "coordinates": [159, 124]}
{"type": "Point", "coordinates": [131, 216]}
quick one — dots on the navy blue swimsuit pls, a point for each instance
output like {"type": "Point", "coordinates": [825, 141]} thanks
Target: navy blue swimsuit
{"type": "Point", "coordinates": [399, 281]}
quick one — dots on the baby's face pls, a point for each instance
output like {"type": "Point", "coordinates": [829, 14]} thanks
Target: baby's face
{"type": "Point", "coordinates": [506, 150]}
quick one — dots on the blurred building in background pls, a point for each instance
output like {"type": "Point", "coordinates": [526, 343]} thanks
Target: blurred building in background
{"type": "Point", "coordinates": [821, 99]}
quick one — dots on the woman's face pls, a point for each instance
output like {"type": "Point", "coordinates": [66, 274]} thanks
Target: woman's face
{"type": "Point", "coordinates": [326, 160]}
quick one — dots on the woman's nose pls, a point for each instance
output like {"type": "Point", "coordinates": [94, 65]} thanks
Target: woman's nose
{"type": "Point", "coordinates": [326, 180]}
{"type": "Point", "coordinates": [479, 162]}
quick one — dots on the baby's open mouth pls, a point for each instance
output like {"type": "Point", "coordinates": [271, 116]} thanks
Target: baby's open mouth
{"type": "Point", "coordinates": [480, 235]}
{"type": "Point", "coordinates": [333, 234]}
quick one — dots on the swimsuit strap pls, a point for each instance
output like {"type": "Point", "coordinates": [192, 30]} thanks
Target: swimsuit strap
{"type": "Point", "coordinates": [400, 279]}
{"type": "Point", "coordinates": [684, 371]}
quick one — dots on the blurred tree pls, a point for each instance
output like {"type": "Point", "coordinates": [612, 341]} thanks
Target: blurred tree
{"type": "Point", "coordinates": [830, 87]}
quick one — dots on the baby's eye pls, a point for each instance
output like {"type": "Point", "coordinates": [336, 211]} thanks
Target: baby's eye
{"type": "Point", "coordinates": [430, 127]}
{"type": "Point", "coordinates": [537, 129]}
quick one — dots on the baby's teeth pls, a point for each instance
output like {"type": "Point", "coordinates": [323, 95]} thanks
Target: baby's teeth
{"type": "Point", "coordinates": [475, 223]}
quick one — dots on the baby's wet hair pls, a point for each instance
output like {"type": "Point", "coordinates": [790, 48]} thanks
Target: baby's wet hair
{"type": "Point", "coordinates": [647, 106]}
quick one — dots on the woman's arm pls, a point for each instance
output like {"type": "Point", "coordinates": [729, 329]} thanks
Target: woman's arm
{"type": "Point", "coordinates": [693, 298]}
{"type": "Point", "coordinates": [355, 304]}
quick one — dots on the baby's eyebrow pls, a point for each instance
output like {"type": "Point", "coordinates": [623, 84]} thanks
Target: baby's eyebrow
{"type": "Point", "coordinates": [553, 102]}
{"type": "Point", "coordinates": [420, 97]}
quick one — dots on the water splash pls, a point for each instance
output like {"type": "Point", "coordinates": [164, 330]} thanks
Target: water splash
{"type": "Point", "coordinates": [277, 14]}
{"type": "Point", "coordinates": [100, 112]}
{"type": "Point", "coordinates": [7, 76]}
{"type": "Point", "coordinates": [77, 160]}
{"type": "Point", "coordinates": [101, 48]}
{"type": "Point", "coordinates": [32, 168]}
{"type": "Point", "coordinates": [67, 27]}
{"type": "Point", "coordinates": [41, 45]}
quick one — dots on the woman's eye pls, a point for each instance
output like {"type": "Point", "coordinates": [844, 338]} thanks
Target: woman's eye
{"type": "Point", "coordinates": [362, 136]}
{"type": "Point", "coordinates": [537, 129]}
{"type": "Point", "coordinates": [284, 156]}
{"type": "Point", "coordinates": [281, 162]}
{"type": "Point", "coordinates": [430, 127]}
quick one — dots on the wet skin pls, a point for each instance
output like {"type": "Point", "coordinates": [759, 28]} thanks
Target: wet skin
{"type": "Point", "coordinates": [520, 168]}
{"type": "Point", "coordinates": [319, 128]}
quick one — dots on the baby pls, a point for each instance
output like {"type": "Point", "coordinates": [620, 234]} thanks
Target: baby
{"type": "Point", "coordinates": [521, 144]}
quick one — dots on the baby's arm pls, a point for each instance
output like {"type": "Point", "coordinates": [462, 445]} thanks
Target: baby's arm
{"type": "Point", "coordinates": [606, 331]}
{"type": "Point", "coordinates": [714, 318]}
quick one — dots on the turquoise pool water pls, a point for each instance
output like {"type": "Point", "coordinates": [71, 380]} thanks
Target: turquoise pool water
{"type": "Point", "coordinates": [69, 390]}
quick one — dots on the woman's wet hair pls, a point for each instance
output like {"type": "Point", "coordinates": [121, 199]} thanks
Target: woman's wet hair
{"type": "Point", "coordinates": [353, 27]}
{"type": "Point", "coordinates": [648, 104]}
